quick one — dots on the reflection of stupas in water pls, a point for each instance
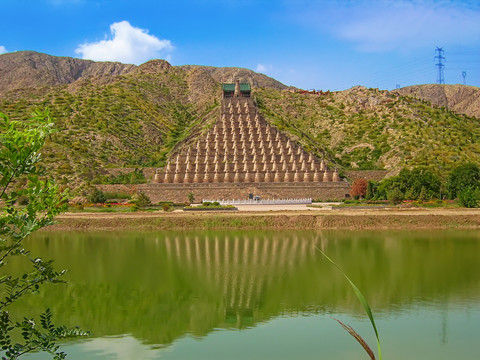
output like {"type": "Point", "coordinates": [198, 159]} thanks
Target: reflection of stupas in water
{"type": "Point", "coordinates": [242, 267]}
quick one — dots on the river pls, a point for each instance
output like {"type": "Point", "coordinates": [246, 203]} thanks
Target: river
{"type": "Point", "coordinates": [263, 294]}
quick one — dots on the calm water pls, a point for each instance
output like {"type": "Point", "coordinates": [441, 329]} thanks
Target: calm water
{"type": "Point", "coordinates": [263, 295]}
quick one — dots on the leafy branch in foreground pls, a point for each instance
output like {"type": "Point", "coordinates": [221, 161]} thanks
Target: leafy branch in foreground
{"type": "Point", "coordinates": [367, 309]}
{"type": "Point", "coordinates": [21, 178]}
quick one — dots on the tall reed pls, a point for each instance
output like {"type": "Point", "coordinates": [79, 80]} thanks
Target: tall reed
{"type": "Point", "coordinates": [367, 309]}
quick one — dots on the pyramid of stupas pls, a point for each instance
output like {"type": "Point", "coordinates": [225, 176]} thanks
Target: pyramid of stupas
{"type": "Point", "coordinates": [243, 148]}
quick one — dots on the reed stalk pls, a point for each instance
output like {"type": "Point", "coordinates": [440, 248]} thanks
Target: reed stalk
{"type": "Point", "coordinates": [367, 309]}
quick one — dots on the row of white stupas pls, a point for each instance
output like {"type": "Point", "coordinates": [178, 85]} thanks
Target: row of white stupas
{"type": "Point", "coordinates": [243, 147]}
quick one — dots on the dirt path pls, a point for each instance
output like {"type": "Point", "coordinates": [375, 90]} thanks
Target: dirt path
{"type": "Point", "coordinates": [280, 217]}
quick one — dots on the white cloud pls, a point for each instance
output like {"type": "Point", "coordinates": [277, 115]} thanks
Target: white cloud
{"type": "Point", "coordinates": [261, 68]}
{"type": "Point", "coordinates": [386, 25]}
{"type": "Point", "coordinates": [128, 44]}
{"type": "Point", "coordinates": [122, 348]}
{"type": "Point", "coordinates": [3, 50]}
{"type": "Point", "coordinates": [411, 24]}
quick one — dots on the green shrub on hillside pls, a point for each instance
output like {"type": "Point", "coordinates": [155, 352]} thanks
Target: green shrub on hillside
{"type": "Point", "coordinates": [117, 195]}
{"type": "Point", "coordinates": [469, 197]}
{"type": "Point", "coordinates": [96, 196]}
{"type": "Point", "coordinates": [466, 176]}
{"type": "Point", "coordinates": [141, 199]}
{"type": "Point", "coordinates": [134, 177]}
{"type": "Point", "coordinates": [166, 207]}
{"type": "Point", "coordinates": [395, 196]}
{"type": "Point", "coordinates": [411, 183]}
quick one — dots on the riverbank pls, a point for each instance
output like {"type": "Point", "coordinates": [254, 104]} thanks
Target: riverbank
{"type": "Point", "coordinates": [268, 219]}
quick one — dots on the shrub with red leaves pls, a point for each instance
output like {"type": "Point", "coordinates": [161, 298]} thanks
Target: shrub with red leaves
{"type": "Point", "coordinates": [359, 188]}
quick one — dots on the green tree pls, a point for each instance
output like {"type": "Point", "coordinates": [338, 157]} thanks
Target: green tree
{"type": "Point", "coordinates": [96, 196]}
{"type": "Point", "coordinates": [20, 143]}
{"type": "Point", "coordinates": [469, 197]}
{"type": "Point", "coordinates": [422, 179]}
{"type": "Point", "coordinates": [371, 190]}
{"type": "Point", "coordinates": [410, 183]}
{"type": "Point", "coordinates": [463, 177]}
{"type": "Point", "coordinates": [166, 207]}
{"type": "Point", "coordinates": [395, 196]}
{"type": "Point", "coordinates": [142, 199]}
{"type": "Point", "coordinates": [410, 194]}
{"type": "Point", "coordinates": [191, 197]}
{"type": "Point", "coordinates": [423, 194]}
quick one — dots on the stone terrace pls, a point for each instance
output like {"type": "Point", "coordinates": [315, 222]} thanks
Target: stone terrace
{"type": "Point", "coordinates": [242, 151]}
{"type": "Point", "coordinates": [242, 147]}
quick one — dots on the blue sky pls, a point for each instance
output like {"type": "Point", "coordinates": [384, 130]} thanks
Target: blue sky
{"type": "Point", "coordinates": [324, 44]}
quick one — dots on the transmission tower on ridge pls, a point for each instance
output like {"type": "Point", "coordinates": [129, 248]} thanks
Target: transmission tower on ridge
{"type": "Point", "coordinates": [440, 64]}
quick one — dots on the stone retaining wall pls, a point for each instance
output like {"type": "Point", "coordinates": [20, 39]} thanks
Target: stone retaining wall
{"type": "Point", "coordinates": [179, 192]}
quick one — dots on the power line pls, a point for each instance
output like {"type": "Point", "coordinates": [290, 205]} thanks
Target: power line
{"type": "Point", "coordinates": [420, 70]}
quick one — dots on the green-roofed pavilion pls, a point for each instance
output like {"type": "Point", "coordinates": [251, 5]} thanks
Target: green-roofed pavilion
{"type": "Point", "coordinates": [244, 90]}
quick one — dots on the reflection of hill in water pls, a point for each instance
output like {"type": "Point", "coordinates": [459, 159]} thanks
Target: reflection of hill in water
{"type": "Point", "coordinates": [160, 286]}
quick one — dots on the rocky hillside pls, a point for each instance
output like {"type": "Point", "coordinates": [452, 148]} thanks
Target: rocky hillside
{"type": "Point", "coordinates": [29, 69]}
{"type": "Point", "coordinates": [371, 129]}
{"type": "Point", "coordinates": [459, 98]}
{"type": "Point", "coordinates": [229, 74]}
{"type": "Point", "coordinates": [114, 115]}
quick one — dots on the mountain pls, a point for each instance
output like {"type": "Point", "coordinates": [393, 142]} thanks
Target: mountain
{"type": "Point", "coordinates": [459, 98]}
{"type": "Point", "coordinates": [29, 69]}
{"type": "Point", "coordinates": [116, 115]}
{"type": "Point", "coordinates": [372, 129]}
{"type": "Point", "coordinates": [112, 114]}
{"type": "Point", "coordinates": [230, 74]}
